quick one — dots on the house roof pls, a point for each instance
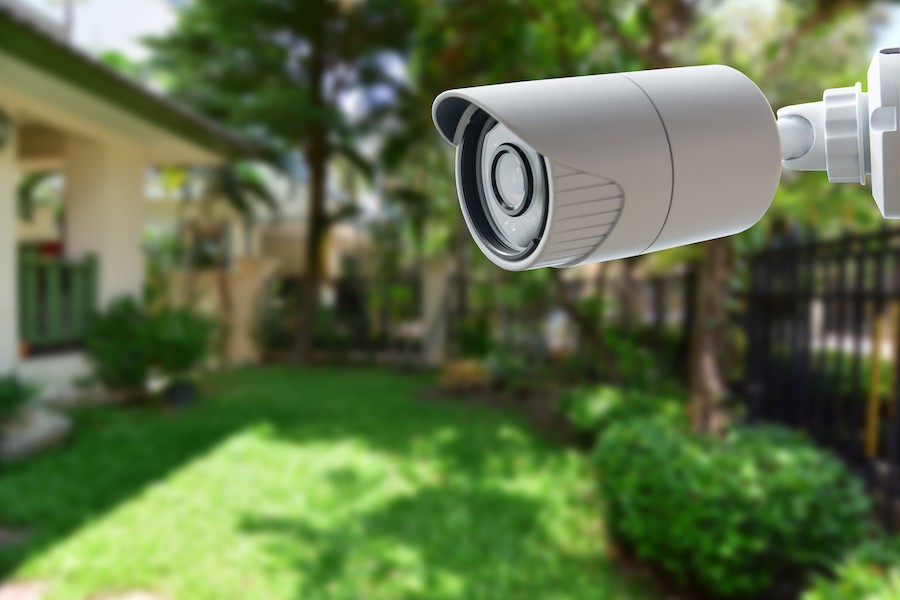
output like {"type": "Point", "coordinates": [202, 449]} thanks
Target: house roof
{"type": "Point", "coordinates": [24, 39]}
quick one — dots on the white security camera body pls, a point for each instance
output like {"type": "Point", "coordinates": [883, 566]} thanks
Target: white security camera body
{"type": "Point", "coordinates": [569, 171]}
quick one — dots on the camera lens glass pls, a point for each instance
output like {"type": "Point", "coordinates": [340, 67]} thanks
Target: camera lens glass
{"type": "Point", "coordinates": [511, 179]}
{"type": "Point", "coordinates": [504, 188]}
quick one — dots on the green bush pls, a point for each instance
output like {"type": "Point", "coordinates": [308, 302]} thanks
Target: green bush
{"type": "Point", "coordinates": [127, 343]}
{"type": "Point", "coordinates": [733, 515]}
{"type": "Point", "coordinates": [120, 345]}
{"type": "Point", "coordinates": [507, 368]}
{"type": "Point", "coordinates": [180, 340]}
{"type": "Point", "coordinates": [598, 407]}
{"type": "Point", "coordinates": [870, 572]}
{"type": "Point", "coordinates": [14, 393]}
{"type": "Point", "coordinates": [472, 336]}
{"type": "Point", "coordinates": [331, 333]}
{"type": "Point", "coordinates": [648, 359]}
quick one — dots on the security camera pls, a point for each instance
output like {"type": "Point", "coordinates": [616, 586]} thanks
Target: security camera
{"type": "Point", "coordinates": [564, 172]}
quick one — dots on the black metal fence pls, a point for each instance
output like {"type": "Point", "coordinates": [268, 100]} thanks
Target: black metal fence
{"type": "Point", "coordinates": [823, 331]}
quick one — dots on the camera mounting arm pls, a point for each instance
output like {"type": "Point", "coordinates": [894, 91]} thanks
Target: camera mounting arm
{"type": "Point", "coordinates": [851, 133]}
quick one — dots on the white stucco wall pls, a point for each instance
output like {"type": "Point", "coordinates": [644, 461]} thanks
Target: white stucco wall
{"type": "Point", "coordinates": [9, 311]}
{"type": "Point", "coordinates": [104, 204]}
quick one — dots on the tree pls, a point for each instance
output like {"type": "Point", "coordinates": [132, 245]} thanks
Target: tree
{"type": "Point", "coordinates": [668, 33]}
{"type": "Point", "coordinates": [280, 71]}
{"type": "Point", "coordinates": [454, 48]}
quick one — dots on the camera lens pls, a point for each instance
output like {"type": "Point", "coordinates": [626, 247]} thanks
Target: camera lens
{"type": "Point", "coordinates": [503, 188]}
{"type": "Point", "coordinates": [511, 180]}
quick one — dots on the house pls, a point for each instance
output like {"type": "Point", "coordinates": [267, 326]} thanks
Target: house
{"type": "Point", "coordinates": [61, 110]}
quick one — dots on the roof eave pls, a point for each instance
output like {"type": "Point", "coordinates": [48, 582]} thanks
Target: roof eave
{"type": "Point", "coordinates": [28, 44]}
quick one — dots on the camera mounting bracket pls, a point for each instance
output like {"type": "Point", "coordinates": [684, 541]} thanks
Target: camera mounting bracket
{"type": "Point", "coordinates": [850, 133]}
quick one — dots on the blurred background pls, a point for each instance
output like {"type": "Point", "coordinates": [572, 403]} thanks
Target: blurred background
{"type": "Point", "coordinates": [249, 349]}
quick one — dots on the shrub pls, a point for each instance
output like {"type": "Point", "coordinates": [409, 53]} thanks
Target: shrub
{"type": "Point", "coordinates": [596, 408]}
{"type": "Point", "coordinates": [180, 340]}
{"type": "Point", "coordinates": [507, 368]}
{"type": "Point", "coordinates": [472, 336]}
{"type": "Point", "coordinates": [14, 393]}
{"type": "Point", "coordinates": [331, 333]}
{"type": "Point", "coordinates": [870, 572]}
{"type": "Point", "coordinates": [119, 344]}
{"type": "Point", "coordinates": [733, 515]}
{"type": "Point", "coordinates": [127, 343]}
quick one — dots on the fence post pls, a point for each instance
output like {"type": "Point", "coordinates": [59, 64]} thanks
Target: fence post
{"type": "Point", "coordinates": [754, 385]}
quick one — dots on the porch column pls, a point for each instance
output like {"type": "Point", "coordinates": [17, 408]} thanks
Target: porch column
{"type": "Point", "coordinates": [104, 213]}
{"type": "Point", "coordinates": [9, 284]}
{"type": "Point", "coordinates": [435, 289]}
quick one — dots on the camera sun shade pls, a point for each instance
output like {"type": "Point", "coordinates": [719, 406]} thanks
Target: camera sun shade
{"type": "Point", "coordinates": [569, 171]}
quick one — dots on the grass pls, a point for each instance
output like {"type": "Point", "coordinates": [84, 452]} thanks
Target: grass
{"type": "Point", "coordinates": [309, 484]}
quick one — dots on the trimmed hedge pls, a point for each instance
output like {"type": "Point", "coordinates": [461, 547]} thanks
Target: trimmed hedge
{"type": "Point", "coordinates": [734, 516]}
{"type": "Point", "coordinates": [871, 572]}
{"type": "Point", "coordinates": [594, 409]}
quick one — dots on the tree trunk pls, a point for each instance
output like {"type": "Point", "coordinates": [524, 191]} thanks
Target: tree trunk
{"type": "Point", "coordinates": [628, 298]}
{"type": "Point", "coordinates": [706, 386]}
{"type": "Point", "coordinates": [317, 161]}
{"type": "Point", "coordinates": [315, 236]}
{"type": "Point", "coordinates": [600, 291]}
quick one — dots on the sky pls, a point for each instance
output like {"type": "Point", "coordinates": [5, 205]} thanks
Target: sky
{"type": "Point", "coordinates": [889, 35]}
{"type": "Point", "coordinates": [102, 25]}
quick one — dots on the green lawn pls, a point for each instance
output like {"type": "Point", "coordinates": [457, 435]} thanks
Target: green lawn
{"type": "Point", "coordinates": [297, 484]}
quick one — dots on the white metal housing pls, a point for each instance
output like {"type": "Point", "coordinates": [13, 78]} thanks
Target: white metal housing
{"type": "Point", "coordinates": [635, 162]}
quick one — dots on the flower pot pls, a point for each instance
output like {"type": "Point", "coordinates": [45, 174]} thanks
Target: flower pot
{"type": "Point", "coordinates": [180, 392]}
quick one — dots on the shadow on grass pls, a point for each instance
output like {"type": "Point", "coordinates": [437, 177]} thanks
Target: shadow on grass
{"type": "Point", "coordinates": [449, 512]}
{"type": "Point", "coordinates": [117, 452]}
{"type": "Point", "coordinates": [441, 544]}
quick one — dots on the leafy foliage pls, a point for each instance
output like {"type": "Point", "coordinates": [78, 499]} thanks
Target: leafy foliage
{"type": "Point", "coordinates": [473, 337]}
{"type": "Point", "coordinates": [127, 343]}
{"type": "Point", "coordinates": [14, 393]}
{"type": "Point", "coordinates": [180, 340]}
{"type": "Point", "coordinates": [331, 333]}
{"type": "Point", "coordinates": [733, 515]}
{"type": "Point", "coordinates": [120, 345]}
{"type": "Point", "coordinates": [34, 188]}
{"type": "Point", "coordinates": [274, 50]}
{"type": "Point", "coordinates": [596, 408]}
{"type": "Point", "coordinates": [870, 572]}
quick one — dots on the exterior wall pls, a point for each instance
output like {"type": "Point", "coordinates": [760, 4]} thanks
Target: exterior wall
{"type": "Point", "coordinates": [104, 205]}
{"type": "Point", "coordinates": [9, 308]}
{"type": "Point", "coordinates": [42, 227]}
{"type": "Point", "coordinates": [286, 244]}
{"type": "Point", "coordinates": [56, 374]}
